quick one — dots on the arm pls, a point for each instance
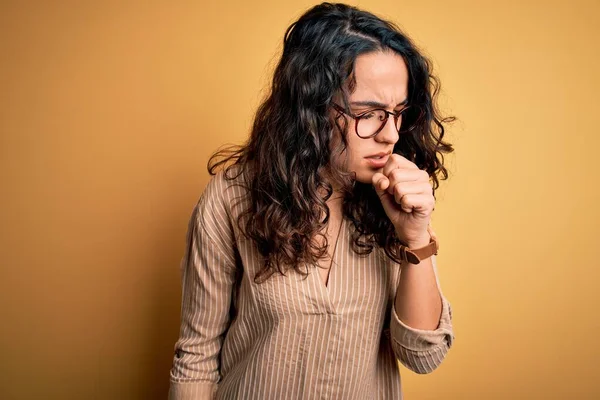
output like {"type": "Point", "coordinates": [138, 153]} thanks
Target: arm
{"type": "Point", "coordinates": [208, 273]}
{"type": "Point", "coordinates": [422, 345]}
{"type": "Point", "coordinates": [407, 198]}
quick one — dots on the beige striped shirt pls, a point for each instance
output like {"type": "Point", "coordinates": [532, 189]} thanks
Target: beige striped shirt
{"type": "Point", "coordinates": [290, 338]}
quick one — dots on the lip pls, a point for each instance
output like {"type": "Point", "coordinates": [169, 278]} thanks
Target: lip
{"type": "Point", "coordinates": [380, 154]}
{"type": "Point", "coordinates": [378, 162]}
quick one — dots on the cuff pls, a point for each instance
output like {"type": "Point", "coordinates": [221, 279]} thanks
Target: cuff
{"type": "Point", "coordinates": [423, 340]}
{"type": "Point", "coordinates": [199, 390]}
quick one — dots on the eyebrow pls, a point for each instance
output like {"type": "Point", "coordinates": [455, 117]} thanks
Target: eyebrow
{"type": "Point", "coordinates": [370, 103]}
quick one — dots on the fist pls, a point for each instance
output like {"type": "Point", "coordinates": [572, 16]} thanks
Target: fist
{"type": "Point", "coordinates": [407, 198]}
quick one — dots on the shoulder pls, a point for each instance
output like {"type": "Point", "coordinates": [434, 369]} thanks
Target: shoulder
{"type": "Point", "coordinates": [212, 218]}
{"type": "Point", "coordinates": [219, 197]}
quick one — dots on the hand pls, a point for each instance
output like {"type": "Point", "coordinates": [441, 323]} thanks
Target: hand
{"type": "Point", "coordinates": [407, 198]}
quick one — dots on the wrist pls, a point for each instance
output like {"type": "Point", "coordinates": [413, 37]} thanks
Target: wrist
{"type": "Point", "coordinates": [418, 243]}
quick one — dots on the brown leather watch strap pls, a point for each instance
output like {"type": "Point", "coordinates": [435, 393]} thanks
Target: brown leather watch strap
{"type": "Point", "coordinates": [414, 256]}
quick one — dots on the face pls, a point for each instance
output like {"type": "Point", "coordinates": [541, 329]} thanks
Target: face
{"type": "Point", "coordinates": [381, 77]}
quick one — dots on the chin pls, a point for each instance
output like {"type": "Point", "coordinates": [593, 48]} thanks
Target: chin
{"type": "Point", "coordinates": [365, 175]}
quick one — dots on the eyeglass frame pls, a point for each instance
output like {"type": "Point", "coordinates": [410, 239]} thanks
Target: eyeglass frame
{"type": "Point", "coordinates": [357, 118]}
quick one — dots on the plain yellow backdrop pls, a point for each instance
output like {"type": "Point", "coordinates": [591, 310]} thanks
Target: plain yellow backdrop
{"type": "Point", "coordinates": [110, 110]}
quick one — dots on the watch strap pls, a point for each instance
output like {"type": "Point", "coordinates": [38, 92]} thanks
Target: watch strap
{"type": "Point", "coordinates": [414, 256]}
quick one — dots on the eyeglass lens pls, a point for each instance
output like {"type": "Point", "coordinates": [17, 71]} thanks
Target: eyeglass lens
{"type": "Point", "coordinates": [373, 122]}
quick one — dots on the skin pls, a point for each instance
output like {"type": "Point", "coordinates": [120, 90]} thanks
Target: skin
{"type": "Point", "coordinates": [404, 190]}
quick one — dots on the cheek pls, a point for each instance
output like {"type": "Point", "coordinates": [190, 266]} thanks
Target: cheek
{"type": "Point", "coordinates": [357, 163]}
{"type": "Point", "coordinates": [351, 159]}
{"type": "Point", "coordinates": [354, 154]}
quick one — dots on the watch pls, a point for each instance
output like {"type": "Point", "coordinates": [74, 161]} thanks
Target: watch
{"type": "Point", "coordinates": [414, 256]}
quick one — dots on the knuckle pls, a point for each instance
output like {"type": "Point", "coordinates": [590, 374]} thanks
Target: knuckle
{"type": "Point", "coordinates": [396, 174]}
{"type": "Point", "coordinates": [399, 190]}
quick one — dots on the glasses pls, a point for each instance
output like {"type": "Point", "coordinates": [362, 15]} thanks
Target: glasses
{"type": "Point", "coordinates": [369, 123]}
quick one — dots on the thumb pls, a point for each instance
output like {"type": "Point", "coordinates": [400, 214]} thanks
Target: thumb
{"type": "Point", "coordinates": [381, 184]}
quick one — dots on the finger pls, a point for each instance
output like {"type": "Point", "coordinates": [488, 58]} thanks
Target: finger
{"type": "Point", "coordinates": [404, 188]}
{"type": "Point", "coordinates": [418, 203]}
{"type": "Point", "coordinates": [398, 176]}
{"type": "Point", "coordinates": [397, 161]}
{"type": "Point", "coordinates": [380, 182]}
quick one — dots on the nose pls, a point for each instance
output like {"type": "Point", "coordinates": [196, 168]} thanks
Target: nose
{"type": "Point", "coordinates": [389, 133]}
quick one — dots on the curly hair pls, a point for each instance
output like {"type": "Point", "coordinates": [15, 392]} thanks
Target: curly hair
{"type": "Point", "coordinates": [287, 156]}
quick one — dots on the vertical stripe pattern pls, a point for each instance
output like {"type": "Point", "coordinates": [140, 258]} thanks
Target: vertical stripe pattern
{"type": "Point", "coordinates": [290, 337]}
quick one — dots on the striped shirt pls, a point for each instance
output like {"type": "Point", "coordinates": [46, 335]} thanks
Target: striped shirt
{"type": "Point", "coordinates": [289, 337]}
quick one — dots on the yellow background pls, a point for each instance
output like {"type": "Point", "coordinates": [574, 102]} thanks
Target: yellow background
{"type": "Point", "coordinates": [110, 110]}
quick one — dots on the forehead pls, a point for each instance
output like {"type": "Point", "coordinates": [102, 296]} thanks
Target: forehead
{"type": "Point", "coordinates": [380, 76]}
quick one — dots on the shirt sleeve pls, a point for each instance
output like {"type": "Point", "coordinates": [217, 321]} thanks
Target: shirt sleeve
{"type": "Point", "coordinates": [422, 350]}
{"type": "Point", "coordinates": [208, 274]}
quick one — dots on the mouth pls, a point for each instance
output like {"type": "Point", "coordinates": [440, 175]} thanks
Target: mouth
{"type": "Point", "coordinates": [377, 161]}
{"type": "Point", "coordinates": [380, 155]}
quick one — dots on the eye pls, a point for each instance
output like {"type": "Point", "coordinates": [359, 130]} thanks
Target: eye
{"type": "Point", "coordinates": [368, 115]}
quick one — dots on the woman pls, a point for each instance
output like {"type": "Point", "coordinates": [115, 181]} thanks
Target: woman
{"type": "Point", "coordinates": [310, 262]}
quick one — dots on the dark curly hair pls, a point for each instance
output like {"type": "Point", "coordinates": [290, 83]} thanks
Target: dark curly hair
{"type": "Point", "coordinates": [287, 156]}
